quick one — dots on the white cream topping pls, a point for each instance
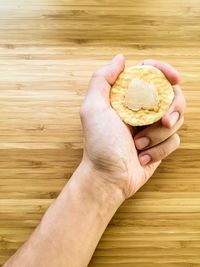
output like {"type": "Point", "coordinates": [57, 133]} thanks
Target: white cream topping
{"type": "Point", "coordinates": [141, 94]}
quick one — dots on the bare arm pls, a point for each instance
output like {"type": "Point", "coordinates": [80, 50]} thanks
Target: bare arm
{"type": "Point", "coordinates": [73, 225]}
{"type": "Point", "coordinates": [112, 169]}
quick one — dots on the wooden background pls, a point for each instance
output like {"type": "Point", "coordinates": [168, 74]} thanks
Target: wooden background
{"type": "Point", "coordinates": [48, 50]}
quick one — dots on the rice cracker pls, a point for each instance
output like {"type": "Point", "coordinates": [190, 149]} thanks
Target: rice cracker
{"type": "Point", "coordinates": [141, 95]}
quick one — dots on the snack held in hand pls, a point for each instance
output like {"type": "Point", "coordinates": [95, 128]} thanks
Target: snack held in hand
{"type": "Point", "coordinates": [141, 95]}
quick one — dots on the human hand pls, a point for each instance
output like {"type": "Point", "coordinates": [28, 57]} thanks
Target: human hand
{"type": "Point", "coordinates": [121, 157]}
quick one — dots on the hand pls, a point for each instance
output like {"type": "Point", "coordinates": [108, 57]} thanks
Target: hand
{"type": "Point", "coordinates": [110, 146]}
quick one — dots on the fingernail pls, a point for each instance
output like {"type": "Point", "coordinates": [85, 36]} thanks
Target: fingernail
{"type": "Point", "coordinates": [144, 159]}
{"type": "Point", "coordinates": [173, 118]}
{"type": "Point", "coordinates": [142, 142]}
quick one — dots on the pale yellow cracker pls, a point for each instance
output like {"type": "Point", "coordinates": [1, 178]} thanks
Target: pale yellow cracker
{"type": "Point", "coordinates": [150, 75]}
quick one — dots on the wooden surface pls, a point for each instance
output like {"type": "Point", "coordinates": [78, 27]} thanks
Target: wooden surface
{"type": "Point", "coordinates": [48, 50]}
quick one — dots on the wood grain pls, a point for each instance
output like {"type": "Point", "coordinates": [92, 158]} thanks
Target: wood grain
{"type": "Point", "coordinates": [48, 50]}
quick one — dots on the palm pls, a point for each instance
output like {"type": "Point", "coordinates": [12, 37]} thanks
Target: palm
{"type": "Point", "coordinates": [110, 146]}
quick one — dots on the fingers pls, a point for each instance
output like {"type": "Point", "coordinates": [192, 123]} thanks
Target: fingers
{"type": "Point", "coordinates": [160, 139]}
{"type": "Point", "coordinates": [176, 109]}
{"type": "Point", "coordinates": [112, 70]}
{"type": "Point", "coordinates": [103, 78]}
{"type": "Point", "coordinates": [171, 74]}
{"type": "Point", "coordinates": [97, 97]}
{"type": "Point", "coordinates": [155, 134]}
{"type": "Point", "coordinates": [160, 151]}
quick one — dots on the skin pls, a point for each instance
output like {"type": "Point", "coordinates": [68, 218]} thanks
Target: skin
{"type": "Point", "coordinates": [114, 166]}
{"type": "Point", "coordinates": [116, 148]}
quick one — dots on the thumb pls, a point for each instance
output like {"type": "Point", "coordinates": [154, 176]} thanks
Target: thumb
{"type": "Point", "coordinates": [101, 81]}
{"type": "Point", "coordinates": [111, 71]}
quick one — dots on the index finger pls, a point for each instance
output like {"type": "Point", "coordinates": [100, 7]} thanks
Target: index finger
{"type": "Point", "coordinates": [170, 73]}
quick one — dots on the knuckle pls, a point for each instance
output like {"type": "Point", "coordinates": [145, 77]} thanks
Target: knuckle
{"type": "Point", "coordinates": [184, 101]}
{"type": "Point", "coordinates": [176, 140]}
{"type": "Point", "coordinates": [163, 151]}
{"type": "Point", "coordinates": [96, 74]}
{"type": "Point", "coordinates": [178, 124]}
{"type": "Point", "coordinates": [112, 73]}
{"type": "Point", "coordinates": [87, 110]}
{"type": "Point", "coordinates": [160, 153]}
{"type": "Point", "coordinates": [83, 110]}
{"type": "Point", "coordinates": [180, 101]}
{"type": "Point", "coordinates": [181, 121]}
{"type": "Point", "coordinates": [157, 153]}
{"type": "Point", "coordinates": [98, 77]}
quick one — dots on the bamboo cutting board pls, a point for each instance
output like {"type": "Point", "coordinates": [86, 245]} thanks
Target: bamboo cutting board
{"type": "Point", "coordinates": [48, 51]}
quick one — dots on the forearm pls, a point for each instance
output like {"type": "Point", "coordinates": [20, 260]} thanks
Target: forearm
{"type": "Point", "coordinates": [72, 226]}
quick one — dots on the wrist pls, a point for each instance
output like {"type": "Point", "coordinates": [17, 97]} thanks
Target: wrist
{"type": "Point", "coordinates": [90, 182]}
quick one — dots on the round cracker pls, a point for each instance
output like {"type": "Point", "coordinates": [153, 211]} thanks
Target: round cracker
{"type": "Point", "coordinates": [151, 75]}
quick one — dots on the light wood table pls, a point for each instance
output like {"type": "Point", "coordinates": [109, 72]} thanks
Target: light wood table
{"type": "Point", "coordinates": [48, 50]}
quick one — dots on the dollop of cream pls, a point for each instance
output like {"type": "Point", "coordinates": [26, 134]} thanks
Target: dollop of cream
{"type": "Point", "coordinates": [141, 94]}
